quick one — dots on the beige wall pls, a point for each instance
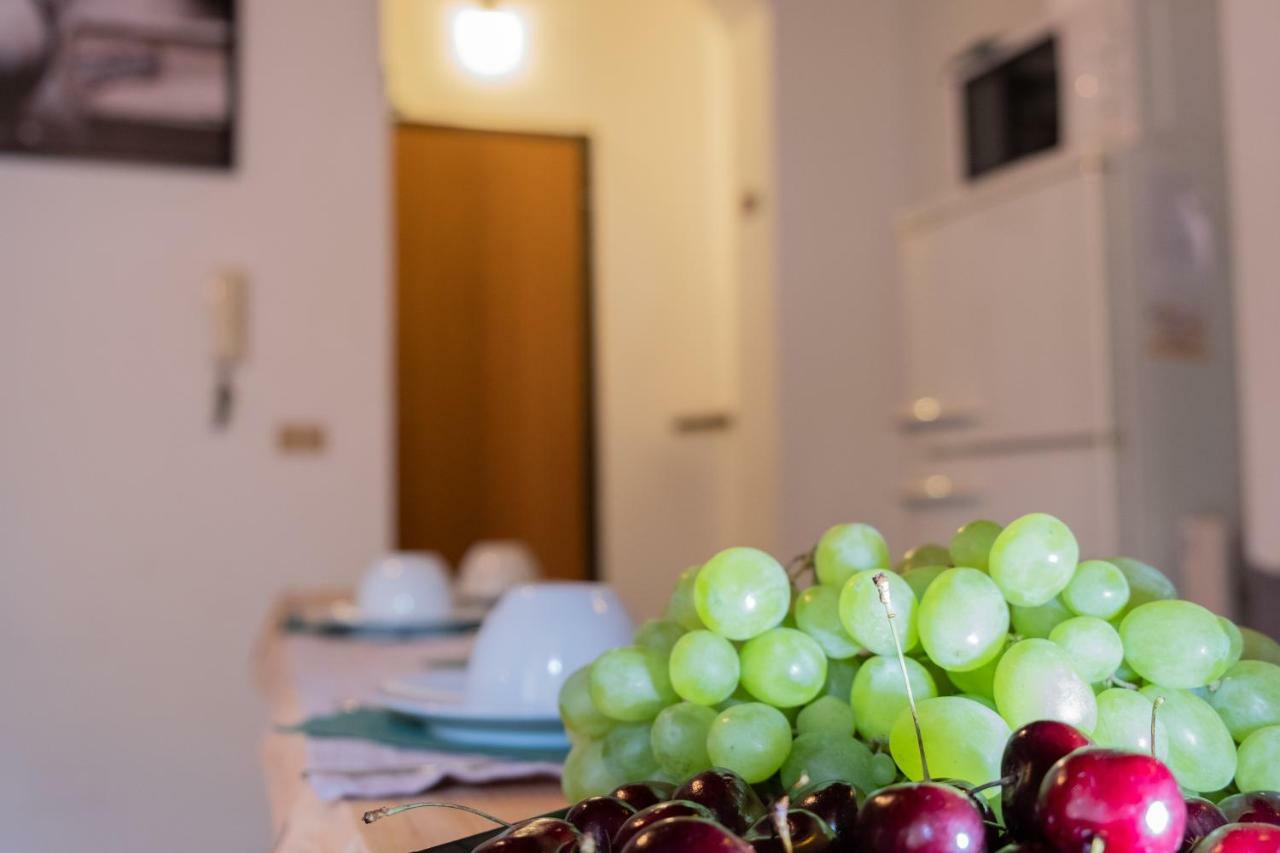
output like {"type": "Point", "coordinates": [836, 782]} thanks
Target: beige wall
{"type": "Point", "coordinates": [139, 550]}
{"type": "Point", "coordinates": [1249, 32]}
{"type": "Point", "coordinates": [649, 84]}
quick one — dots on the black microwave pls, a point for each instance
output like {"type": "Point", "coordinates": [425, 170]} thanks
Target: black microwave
{"type": "Point", "coordinates": [1012, 108]}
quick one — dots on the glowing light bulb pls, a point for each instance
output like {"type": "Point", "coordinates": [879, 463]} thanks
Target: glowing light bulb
{"type": "Point", "coordinates": [488, 42]}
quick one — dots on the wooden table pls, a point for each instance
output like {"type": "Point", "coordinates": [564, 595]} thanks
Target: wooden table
{"type": "Point", "coordinates": [301, 821]}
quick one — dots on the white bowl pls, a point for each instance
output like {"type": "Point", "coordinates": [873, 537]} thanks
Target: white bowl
{"type": "Point", "coordinates": [534, 639]}
{"type": "Point", "coordinates": [406, 588]}
{"type": "Point", "coordinates": [490, 568]}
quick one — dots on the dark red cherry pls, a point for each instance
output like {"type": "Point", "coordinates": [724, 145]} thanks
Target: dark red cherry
{"type": "Point", "coordinates": [835, 802]}
{"type": "Point", "coordinates": [920, 817]}
{"type": "Point", "coordinates": [731, 800]}
{"type": "Point", "coordinates": [539, 835]}
{"type": "Point", "coordinates": [600, 818]}
{"type": "Point", "coordinates": [1253, 807]}
{"type": "Point", "coordinates": [995, 833]}
{"type": "Point", "coordinates": [1032, 846]}
{"type": "Point", "coordinates": [686, 835]}
{"type": "Point", "coordinates": [1128, 800]}
{"type": "Point", "coordinates": [641, 795]}
{"type": "Point", "coordinates": [1203, 817]}
{"type": "Point", "coordinates": [1242, 838]}
{"type": "Point", "coordinates": [656, 812]}
{"type": "Point", "coordinates": [1028, 755]}
{"type": "Point", "coordinates": [809, 834]}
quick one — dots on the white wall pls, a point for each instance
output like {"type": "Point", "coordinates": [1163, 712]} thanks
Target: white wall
{"type": "Point", "coordinates": [1249, 31]}
{"type": "Point", "coordinates": [648, 83]}
{"type": "Point", "coordinates": [839, 174]}
{"type": "Point", "coordinates": [139, 550]}
{"type": "Point", "coordinates": [863, 131]}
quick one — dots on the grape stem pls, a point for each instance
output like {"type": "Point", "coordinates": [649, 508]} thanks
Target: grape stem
{"type": "Point", "coordinates": [801, 562]}
{"type": "Point", "coordinates": [882, 589]}
{"type": "Point", "coordinates": [778, 814]}
{"type": "Point", "coordinates": [995, 783]}
{"type": "Point", "coordinates": [387, 811]}
{"type": "Point", "coordinates": [1097, 845]}
{"type": "Point", "coordinates": [1155, 706]}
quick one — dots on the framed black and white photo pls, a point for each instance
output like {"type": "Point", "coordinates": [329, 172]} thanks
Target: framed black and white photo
{"type": "Point", "coordinates": [150, 81]}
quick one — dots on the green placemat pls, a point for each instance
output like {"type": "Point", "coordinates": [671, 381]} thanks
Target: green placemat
{"type": "Point", "coordinates": [388, 727]}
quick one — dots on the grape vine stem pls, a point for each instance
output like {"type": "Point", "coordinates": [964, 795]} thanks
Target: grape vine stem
{"type": "Point", "coordinates": [1155, 707]}
{"type": "Point", "coordinates": [387, 811]}
{"type": "Point", "coordinates": [882, 589]}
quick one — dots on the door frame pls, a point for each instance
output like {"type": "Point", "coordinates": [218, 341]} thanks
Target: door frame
{"type": "Point", "coordinates": [590, 462]}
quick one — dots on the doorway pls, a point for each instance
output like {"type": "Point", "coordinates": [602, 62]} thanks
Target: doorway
{"type": "Point", "coordinates": [493, 344]}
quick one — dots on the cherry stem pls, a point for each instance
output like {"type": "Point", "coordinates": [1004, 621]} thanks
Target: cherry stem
{"type": "Point", "coordinates": [778, 814]}
{"type": "Point", "coordinates": [1155, 706]}
{"type": "Point", "coordinates": [387, 811]}
{"type": "Point", "coordinates": [882, 588]}
{"type": "Point", "coordinates": [995, 783]}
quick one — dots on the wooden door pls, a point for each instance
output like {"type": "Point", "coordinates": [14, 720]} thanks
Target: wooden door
{"type": "Point", "coordinates": [493, 344]}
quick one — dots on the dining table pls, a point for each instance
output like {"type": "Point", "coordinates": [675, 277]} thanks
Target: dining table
{"type": "Point", "coordinates": [298, 672]}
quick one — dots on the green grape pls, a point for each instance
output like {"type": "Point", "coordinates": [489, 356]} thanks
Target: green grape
{"type": "Point", "coordinates": [1124, 722]}
{"type": "Point", "coordinates": [1032, 559]}
{"type": "Point", "coordinates": [703, 668]}
{"type": "Point", "coordinates": [752, 740]}
{"type": "Point", "coordinates": [879, 694]}
{"type": "Point", "coordinates": [826, 714]}
{"type": "Point", "coordinates": [825, 757]}
{"type": "Point", "coordinates": [980, 681]}
{"type": "Point", "coordinates": [1092, 644]}
{"type": "Point", "coordinates": [1258, 646]}
{"type": "Point", "coordinates": [1259, 768]}
{"type": "Point", "coordinates": [1126, 674]}
{"type": "Point", "coordinates": [883, 770]}
{"type": "Point", "coordinates": [981, 700]}
{"type": "Point", "coordinates": [920, 577]}
{"type": "Point", "coordinates": [1202, 754]}
{"type": "Point", "coordinates": [963, 739]}
{"type": "Point", "coordinates": [586, 774]}
{"type": "Point", "coordinates": [818, 615]}
{"type": "Point", "coordinates": [963, 620]}
{"type": "Point", "coordinates": [1039, 621]}
{"type": "Point", "coordinates": [631, 684]}
{"type": "Point", "coordinates": [1035, 680]}
{"type": "Point", "coordinates": [941, 678]}
{"type": "Point", "coordinates": [1248, 697]}
{"type": "Point", "coordinates": [679, 739]}
{"type": "Point", "coordinates": [579, 712]}
{"type": "Point", "coordinates": [971, 546]}
{"type": "Point", "coordinates": [1097, 588]}
{"type": "Point", "coordinates": [738, 697]}
{"type": "Point", "coordinates": [1174, 643]}
{"type": "Point", "coordinates": [864, 617]}
{"type": "Point", "coordinates": [627, 752]}
{"type": "Point", "coordinates": [1146, 583]}
{"type": "Point", "coordinates": [660, 635]}
{"type": "Point", "coordinates": [847, 549]}
{"type": "Point", "coordinates": [1235, 647]}
{"type": "Point", "coordinates": [682, 609]}
{"type": "Point", "coordinates": [742, 592]}
{"type": "Point", "coordinates": [924, 555]}
{"type": "Point", "coordinates": [840, 675]}
{"type": "Point", "coordinates": [783, 667]}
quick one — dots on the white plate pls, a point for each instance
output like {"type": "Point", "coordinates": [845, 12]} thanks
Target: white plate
{"type": "Point", "coordinates": [343, 617]}
{"type": "Point", "coordinates": [437, 698]}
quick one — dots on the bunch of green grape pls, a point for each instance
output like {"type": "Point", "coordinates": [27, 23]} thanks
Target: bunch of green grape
{"type": "Point", "coordinates": [782, 684]}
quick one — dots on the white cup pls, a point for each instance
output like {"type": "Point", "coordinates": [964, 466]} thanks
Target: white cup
{"type": "Point", "coordinates": [535, 638]}
{"type": "Point", "coordinates": [490, 568]}
{"type": "Point", "coordinates": [406, 588]}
